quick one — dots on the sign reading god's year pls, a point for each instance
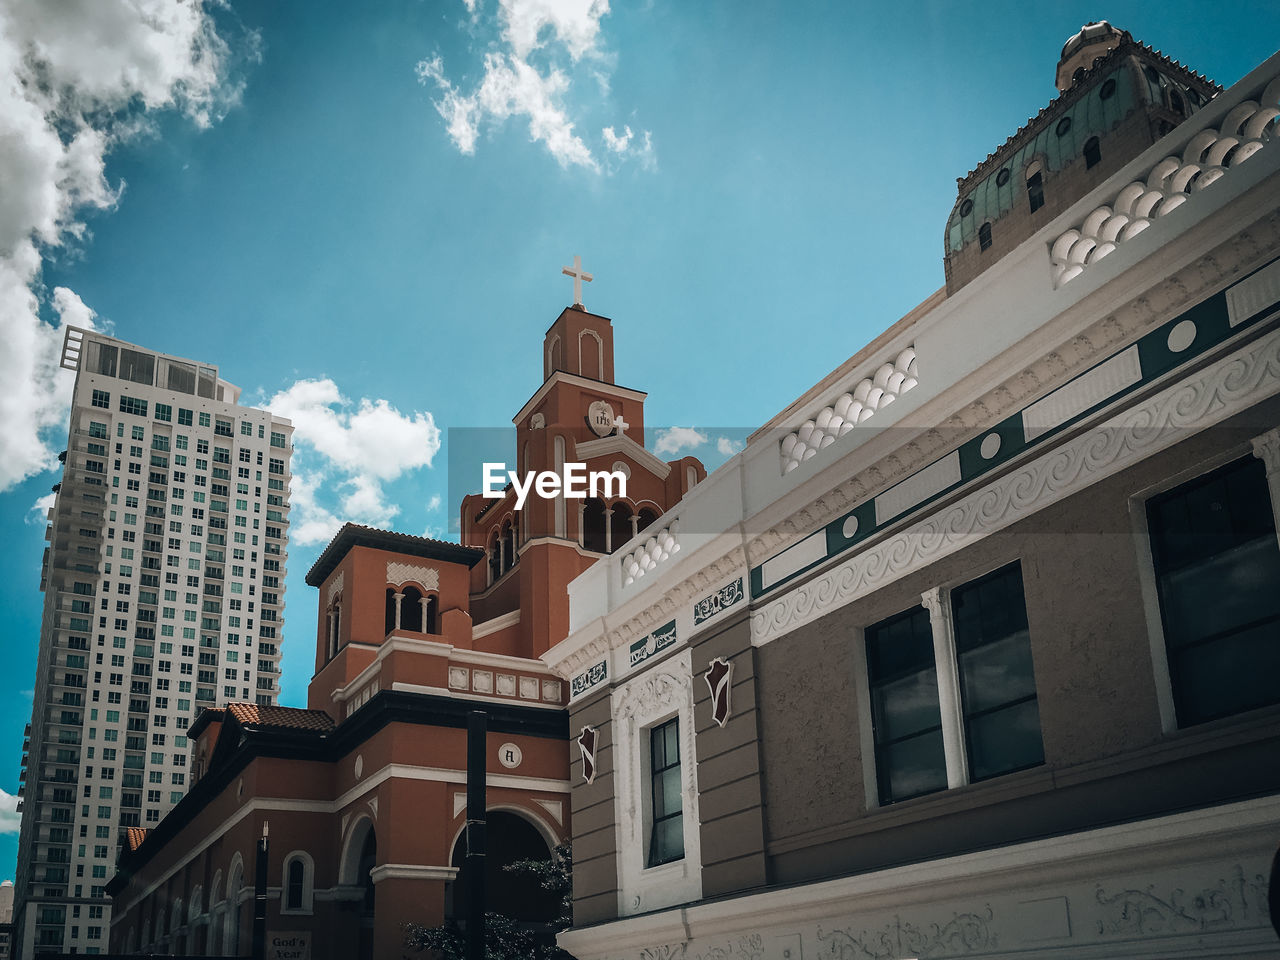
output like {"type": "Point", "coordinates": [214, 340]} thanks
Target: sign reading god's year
{"type": "Point", "coordinates": [295, 945]}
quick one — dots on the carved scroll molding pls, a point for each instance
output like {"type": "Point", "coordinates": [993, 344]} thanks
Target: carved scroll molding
{"type": "Point", "coordinates": [1228, 386]}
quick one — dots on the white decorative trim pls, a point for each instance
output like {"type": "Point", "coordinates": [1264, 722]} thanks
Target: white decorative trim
{"type": "Point", "coordinates": [528, 688]}
{"type": "Point", "coordinates": [653, 697]}
{"type": "Point", "coordinates": [495, 624]}
{"type": "Point", "coordinates": [1014, 873]}
{"type": "Point", "coordinates": [405, 771]}
{"type": "Point", "coordinates": [624, 445]}
{"type": "Point", "coordinates": [459, 678]}
{"type": "Point", "coordinates": [411, 871]}
{"type": "Point", "coordinates": [459, 803]}
{"type": "Point", "coordinates": [462, 695]}
{"type": "Point", "coordinates": [794, 559]}
{"type": "Point", "coordinates": [918, 487]}
{"type": "Point", "coordinates": [554, 808]}
{"type": "Point", "coordinates": [335, 588]}
{"type": "Point", "coordinates": [656, 548]}
{"type": "Point", "coordinates": [1087, 390]}
{"type": "Point", "coordinates": [498, 660]}
{"type": "Point", "coordinates": [506, 684]}
{"type": "Point", "coordinates": [1253, 294]}
{"type": "Point", "coordinates": [482, 681]}
{"type": "Point", "coordinates": [858, 403]}
{"type": "Point", "coordinates": [1207, 157]}
{"type": "Point", "coordinates": [398, 574]}
{"type": "Point", "coordinates": [1233, 383]}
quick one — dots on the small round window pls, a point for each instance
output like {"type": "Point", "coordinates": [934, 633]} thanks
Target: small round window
{"type": "Point", "coordinates": [1107, 90]}
{"type": "Point", "coordinates": [1002, 177]}
{"type": "Point", "coordinates": [966, 208]}
{"type": "Point", "coordinates": [1063, 126]}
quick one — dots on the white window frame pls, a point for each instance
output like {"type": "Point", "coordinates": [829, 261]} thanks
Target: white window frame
{"type": "Point", "coordinates": [646, 700]}
{"type": "Point", "coordinates": [308, 884]}
{"type": "Point", "coordinates": [937, 603]}
{"type": "Point", "coordinates": [1266, 447]}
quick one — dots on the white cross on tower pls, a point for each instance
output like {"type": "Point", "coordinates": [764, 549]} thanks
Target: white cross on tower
{"type": "Point", "coordinates": [578, 276]}
{"type": "Point", "coordinates": [620, 424]}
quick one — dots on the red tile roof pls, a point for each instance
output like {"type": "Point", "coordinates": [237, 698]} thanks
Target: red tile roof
{"type": "Point", "coordinates": [134, 837]}
{"type": "Point", "coordinates": [257, 715]}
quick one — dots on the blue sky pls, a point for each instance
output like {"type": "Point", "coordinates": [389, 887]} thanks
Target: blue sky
{"type": "Point", "coordinates": [360, 211]}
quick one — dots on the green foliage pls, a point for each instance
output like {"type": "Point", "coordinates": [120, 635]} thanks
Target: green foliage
{"type": "Point", "coordinates": [505, 938]}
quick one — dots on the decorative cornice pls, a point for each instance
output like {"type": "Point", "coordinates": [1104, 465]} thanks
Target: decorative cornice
{"type": "Point", "coordinates": [411, 871]}
{"type": "Point", "coordinates": [1247, 250]}
{"type": "Point", "coordinates": [1231, 384]}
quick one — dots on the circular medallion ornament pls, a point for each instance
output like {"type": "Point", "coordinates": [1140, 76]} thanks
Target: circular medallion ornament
{"type": "Point", "coordinates": [1002, 177]}
{"type": "Point", "coordinates": [509, 755]}
{"type": "Point", "coordinates": [990, 446]}
{"type": "Point", "coordinates": [359, 771]}
{"type": "Point", "coordinates": [850, 527]}
{"type": "Point", "coordinates": [600, 418]}
{"type": "Point", "coordinates": [537, 422]}
{"type": "Point", "coordinates": [1181, 336]}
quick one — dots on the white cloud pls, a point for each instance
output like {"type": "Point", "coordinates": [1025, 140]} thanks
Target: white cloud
{"type": "Point", "coordinates": [39, 511]}
{"type": "Point", "coordinates": [351, 448]}
{"type": "Point", "coordinates": [512, 86]}
{"type": "Point", "coordinates": [726, 447]}
{"type": "Point", "coordinates": [616, 143]}
{"type": "Point", "coordinates": [77, 79]}
{"type": "Point", "coordinates": [675, 439]}
{"type": "Point", "coordinates": [10, 818]}
{"type": "Point", "coordinates": [434, 503]}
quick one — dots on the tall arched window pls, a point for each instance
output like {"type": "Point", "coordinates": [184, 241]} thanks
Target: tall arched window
{"type": "Point", "coordinates": [411, 610]}
{"type": "Point", "coordinates": [593, 525]}
{"type": "Point", "coordinates": [619, 525]}
{"type": "Point", "coordinates": [984, 235]}
{"type": "Point", "coordinates": [1092, 152]}
{"type": "Point", "coordinates": [298, 883]}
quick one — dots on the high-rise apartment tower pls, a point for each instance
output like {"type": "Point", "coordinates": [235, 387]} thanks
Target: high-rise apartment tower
{"type": "Point", "coordinates": [164, 594]}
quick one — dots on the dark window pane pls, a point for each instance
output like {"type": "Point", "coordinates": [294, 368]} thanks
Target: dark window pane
{"type": "Point", "coordinates": [1217, 564]}
{"type": "Point", "coordinates": [906, 719]}
{"type": "Point", "coordinates": [997, 676]}
{"type": "Point", "coordinates": [913, 767]}
{"type": "Point", "coordinates": [666, 839]}
{"type": "Point", "coordinates": [1004, 740]}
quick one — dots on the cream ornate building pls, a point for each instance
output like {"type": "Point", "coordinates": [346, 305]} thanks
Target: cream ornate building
{"type": "Point", "coordinates": [997, 677]}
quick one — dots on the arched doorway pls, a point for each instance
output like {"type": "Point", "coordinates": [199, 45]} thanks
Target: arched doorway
{"type": "Point", "coordinates": [510, 838]}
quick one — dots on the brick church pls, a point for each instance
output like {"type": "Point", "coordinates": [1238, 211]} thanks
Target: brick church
{"type": "Point", "coordinates": [362, 795]}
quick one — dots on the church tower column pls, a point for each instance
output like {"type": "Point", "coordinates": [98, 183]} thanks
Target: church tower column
{"type": "Point", "coordinates": [635, 525]}
{"type": "Point", "coordinates": [426, 604]}
{"type": "Point", "coordinates": [398, 598]}
{"type": "Point", "coordinates": [582, 509]}
{"type": "Point", "coordinates": [608, 529]}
